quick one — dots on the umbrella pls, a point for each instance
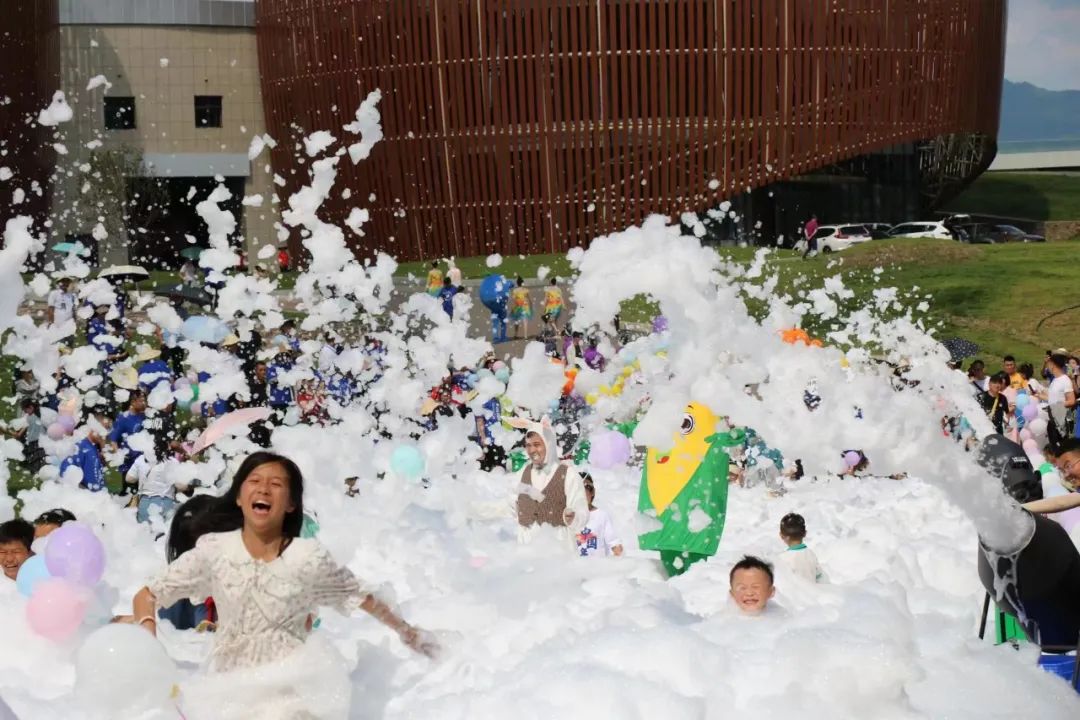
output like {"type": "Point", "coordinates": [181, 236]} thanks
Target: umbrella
{"type": "Point", "coordinates": [204, 329]}
{"type": "Point", "coordinates": [192, 253]}
{"type": "Point", "coordinates": [228, 424]}
{"type": "Point", "coordinates": [186, 293]}
{"type": "Point", "coordinates": [67, 247]}
{"type": "Point", "coordinates": [959, 348]}
{"type": "Point", "coordinates": [124, 272]}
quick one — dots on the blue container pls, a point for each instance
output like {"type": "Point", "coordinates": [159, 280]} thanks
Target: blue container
{"type": "Point", "coordinates": [1060, 665]}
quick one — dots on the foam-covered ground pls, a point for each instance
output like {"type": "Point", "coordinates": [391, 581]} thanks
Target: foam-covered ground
{"type": "Point", "coordinates": [535, 633]}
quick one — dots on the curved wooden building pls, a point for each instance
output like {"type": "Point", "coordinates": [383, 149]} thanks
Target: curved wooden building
{"type": "Point", "coordinates": [521, 126]}
{"type": "Point", "coordinates": [29, 74]}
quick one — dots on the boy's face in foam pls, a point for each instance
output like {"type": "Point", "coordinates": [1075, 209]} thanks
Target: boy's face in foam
{"type": "Point", "coordinates": [751, 589]}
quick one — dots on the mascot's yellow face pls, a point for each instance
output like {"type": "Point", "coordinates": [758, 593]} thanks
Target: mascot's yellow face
{"type": "Point", "coordinates": [668, 473]}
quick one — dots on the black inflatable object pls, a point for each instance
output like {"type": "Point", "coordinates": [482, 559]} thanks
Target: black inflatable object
{"type": "Point", "coordinates": [1007, 461]}
{"type": "Point", "coordinates": [1039, 582]}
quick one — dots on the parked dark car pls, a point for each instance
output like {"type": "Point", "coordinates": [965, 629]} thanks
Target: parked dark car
{"type": "Point", "coordinates": [1005, 234]}
{"type": "Point", "coordinates": [878, 231]}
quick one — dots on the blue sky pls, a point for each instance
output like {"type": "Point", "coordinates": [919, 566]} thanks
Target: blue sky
{"type": "Point", "coordinates": [1044, 43]}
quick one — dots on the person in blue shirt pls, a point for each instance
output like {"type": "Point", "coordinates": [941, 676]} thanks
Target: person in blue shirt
{"type": "Point", "coordinates": [494, 454]}
{"type": "Point", "coordinates": [279, 396]}
{"type": "Point", "coordinates": [218, 407]}
{"type": "Point", "coordinates": [100, 333]}
{"type": "Point", "coordinates": [288, 329]}
{"type": "Point", "coordinates": [498, 320]}
{"type": "Point", "coordinates": [127, 424]}
{"type": "Point", "coordinates": [153, 370]}
{"type": "Point", "coordinates": [447, 296]}
{"type": "Point", "coordinates": [88, 460]}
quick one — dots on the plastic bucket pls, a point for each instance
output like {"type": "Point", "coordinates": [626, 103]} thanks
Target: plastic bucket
{"type": "Point", "coordinates": [1060, 665]}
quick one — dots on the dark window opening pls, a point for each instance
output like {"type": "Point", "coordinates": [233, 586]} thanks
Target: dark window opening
{"type": "Point", "coordinates": [207, 111]}
{"type": "Point", "coordinates": [119, 113]}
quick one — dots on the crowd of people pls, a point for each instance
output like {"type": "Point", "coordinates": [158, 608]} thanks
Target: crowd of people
{"type": "Point", "coordinates": [220, 541]}
{"type": "Point", "coordinates": [1056, 385]}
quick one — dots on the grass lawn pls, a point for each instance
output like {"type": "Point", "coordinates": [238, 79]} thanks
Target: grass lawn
{"type": "Point", "coordinates": [994, 295]}
{"type": "Point", "coordinates": [1033, 196]}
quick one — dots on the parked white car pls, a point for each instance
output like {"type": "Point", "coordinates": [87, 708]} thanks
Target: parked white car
{"type": "Point", "coordinates": [930, 229]}
{"type": "Point", "coordinates": [833, 238]}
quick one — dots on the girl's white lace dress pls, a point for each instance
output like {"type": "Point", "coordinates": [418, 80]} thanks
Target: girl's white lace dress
{"type": "Point", "coordinates": [262, 606]}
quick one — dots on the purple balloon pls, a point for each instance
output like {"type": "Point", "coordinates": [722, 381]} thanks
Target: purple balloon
{"type": "Point", "coordinates": [75, 553]}
{"type": "Point", "coordinates": [852, 458]}
{"type": "Point", "coordinates": [55, 431]}
{"type": "Point", "coordinates": [1031, 411]}
{"type": "Point", "coordinates": [67, 422]}
{"type": "Point", "coordinates": [608, 449]}
{"type": "Point", "coordinates": [659, 324]}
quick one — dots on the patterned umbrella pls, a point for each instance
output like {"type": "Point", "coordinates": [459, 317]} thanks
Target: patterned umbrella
{"type": "Point", "coordinates": [959, 348]}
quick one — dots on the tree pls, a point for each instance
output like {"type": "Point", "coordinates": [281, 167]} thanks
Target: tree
{"type": "Point", "coordinates": [119, 195]}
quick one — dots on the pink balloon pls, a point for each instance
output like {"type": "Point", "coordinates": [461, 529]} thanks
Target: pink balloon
{"type": "Point", "coordinates": [1031, 447]}
{"type": "Point", "coordinates": [75, 553]}
{"type": "Point", "coordinates": [852, 458]}
{"type": "Point", "coordinates": [67, 422]}
{"type": "Point", "coordinates": [1030, 411]}
{"type": "Point", "coordinates": [56, 609]}
{"type": "Point", "coordinates": [1026, 435]}
{"type": "Point", "coordinates": [55, 431]}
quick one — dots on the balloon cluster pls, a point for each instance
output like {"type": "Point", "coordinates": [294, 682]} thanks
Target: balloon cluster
{"type": "Point", "coordinates": [1033, 428]}
{"type": "Point", "coordinates": [616, 388]}
{"type": "Point", "coordinates": [63, 426]}
{"type": "Point", "coordinates": [59, 583]}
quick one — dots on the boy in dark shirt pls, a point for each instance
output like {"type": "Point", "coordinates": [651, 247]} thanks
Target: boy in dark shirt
{"type": "Point", "coordinates": [995, 403]}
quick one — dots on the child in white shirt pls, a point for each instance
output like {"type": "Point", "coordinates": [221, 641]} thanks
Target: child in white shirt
{"type": "Point", "coordinates": [598, 538]}
{"type": "Point", "coordinates": [798, 558]}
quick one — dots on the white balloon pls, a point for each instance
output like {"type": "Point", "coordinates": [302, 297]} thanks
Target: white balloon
{"type": "Point", "coordinates": [123, 671]}
{"type": "Point", "coordinates": [1052, 487]}
{"type": "Point", "coordinates": [1038, 427]}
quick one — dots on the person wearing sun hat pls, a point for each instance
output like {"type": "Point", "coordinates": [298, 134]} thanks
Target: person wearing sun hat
{"type": "Point", "coordinates": [153, 370]}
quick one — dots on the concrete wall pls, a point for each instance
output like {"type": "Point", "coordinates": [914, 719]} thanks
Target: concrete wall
{"type": "Point", "coordinates": [200, 61]}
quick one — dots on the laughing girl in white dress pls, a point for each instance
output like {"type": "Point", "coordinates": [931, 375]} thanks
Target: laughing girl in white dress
{"type": "Point", "coordinates": [266, 581]}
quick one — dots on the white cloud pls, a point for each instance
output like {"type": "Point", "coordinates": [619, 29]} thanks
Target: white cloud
{"type": "Point", "coordinates": [1043, 45]}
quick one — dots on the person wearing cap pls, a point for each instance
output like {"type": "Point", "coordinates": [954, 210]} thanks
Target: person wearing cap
{"type": "Point", "coordinates": [153, 370]}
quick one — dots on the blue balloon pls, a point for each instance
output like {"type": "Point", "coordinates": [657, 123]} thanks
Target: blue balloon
{"type": "Point", "coordinates": [494, 290]}
{"type": "Point", "coordinates": [407, 462]}
{"type": "Point", "coordinates": [1022, 400]}
{"type": "Point", "coordinates": [30, 574]}
{"type": "Point", "coordinates": [503, 374]}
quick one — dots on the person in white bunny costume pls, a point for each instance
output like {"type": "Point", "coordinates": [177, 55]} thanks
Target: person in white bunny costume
{"type": "Point", "coordinates": [549, 492]}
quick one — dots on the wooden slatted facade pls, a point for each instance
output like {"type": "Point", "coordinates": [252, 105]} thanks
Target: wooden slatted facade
{"type": "Point", "coordinates": [522, 126]}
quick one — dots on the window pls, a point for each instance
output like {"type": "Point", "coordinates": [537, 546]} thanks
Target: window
{"type": "Point", "coordinates": [207, 111]}
{"type": "Point", "coordinates": [119, 113]}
